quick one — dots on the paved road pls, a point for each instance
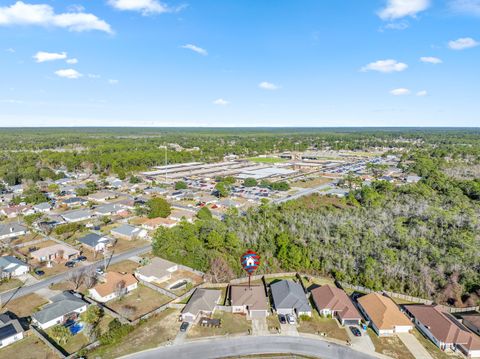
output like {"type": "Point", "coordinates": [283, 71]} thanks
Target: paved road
{"type": "Point", "coordinates": [253, 345]}
{"type": "Point", "coordinates": [20, 292]}
{"type": "Point", "coordinates": [304, 192]}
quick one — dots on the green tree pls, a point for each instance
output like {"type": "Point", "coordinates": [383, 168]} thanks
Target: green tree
{"type": "Point", "coordinates": [158, 207]}
{"type": "Point", "coordinates": [180, 185]}
{"type": "Point", "coordinates": [204, 214]}
{"type": "Point", "coordinates": [222, 189]}
{"type": "Point", "coordinates": [250, 182]}
{"type": "Point", "coordinates": [92, 315]}
{"type": "Point", "coordinates": [61, 334]}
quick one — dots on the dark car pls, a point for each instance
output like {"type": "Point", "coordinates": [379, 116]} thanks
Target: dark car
{"type": "Point", "coordinates": [82, 258]}
{"type": "Point", "coordinates": [39, 272]}
{"type": "Point", "coordinates": [184, 326]}
{"type": "Point", "coordinates": [70, 264]}
{"type": "Point", "coordinates": [282, 319]}
{"type": "Point", "coordinates": [355, 331]}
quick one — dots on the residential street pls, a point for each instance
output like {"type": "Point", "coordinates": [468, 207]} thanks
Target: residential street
{"type": "Point", "coordinates": [20, 292]}
{"type": "Point", "coordinates": [221, 348]}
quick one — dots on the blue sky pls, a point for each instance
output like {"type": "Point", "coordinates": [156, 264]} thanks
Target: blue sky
{"type": "Point", "coordinates": [240, 63]}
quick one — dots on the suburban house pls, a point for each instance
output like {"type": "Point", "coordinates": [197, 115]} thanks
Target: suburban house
{"type": "Point", "coordinates": [155, 223]}
{"type": "Point", "coordinates": [43, 207]}
{"type": "Point", "coordinates": [201, 303]}
{"type": "Point", "coordinates": [178, 215]}
{"type": "Point", "coordinates": [10, 330]}
{"type": "Point", "coordinates": [333, 301]}
{"type": "Point", "coordinates": [94, 242]}
{"type": "Point", "coordinates": [289, 298]}
{"type": "Point", "coordinates": [101, 196]}
{"type": "Point", "coordinates": [158, 270]}
{"type": "Point", "coordinates": [383, 314]}
{"type": "Point", "coordinates": [12, 230]}
{"type": "Point", "coordinates": [443, 329]}
{"type": "Point", "coordinates": [74, 201]}
{"type": "Point", "coordinates": [12, 267]}
{"type": "Point", "coordinates": [57, 252]}
{"type": "Point", "coordinates": [251, 300]}
{"type": "Point", "coordinates": [472, 322]}
{"type": "Point", "coordinates": [115, 285]}
{"type": "Point", "coordinates": [126, 231]}
{"type": "Point", "coordinates": [14, 211]}
{"type": "Point", "coordinates": [64, 306]}
{"type": "Point", "coordinates": [77, 216]}
{"type": "Point", "coordinates": [109, 209]}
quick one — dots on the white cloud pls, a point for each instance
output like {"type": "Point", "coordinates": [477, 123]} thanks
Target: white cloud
{"type": "Point", "coordinates": [385, 66]}
{"type": "Point", "coordinates": [422, 93]}
{"type": "Point", "coordinates": [68, 73]}
{"type": "Point", "coordinates": [221, 102]}
{"type": "Point", "coordinates": [10, 50]}
{"type": "Point", "coordinates": [468, 7]}
{"type": "Point", "coordinates": [113, 82]}
{"type": "Point", "coordinates": [431, 60]}
{"type": "Point", "coordinates": [146, 7]}
{"type": "Point", "coordinates": [268, 86]}
{"type": "Point", "coordinates": [21, 13]}
{"type": "Point", "coordinates": [43, 56]}
{"type": "Point", "coordinates": [400, 92]}
{"type": "Point", "coordinates": [401, 25]}
{"type": "Point", "coordinates": [396, 9]}
{"type": "Point", "coordinates": [196, 49]}
{"type": "Point", "coordinates": [93, 76]}
{"type": "Point", "coordinates": [462, 43]}
{"type": "Point", "coordinates": [72, 61]}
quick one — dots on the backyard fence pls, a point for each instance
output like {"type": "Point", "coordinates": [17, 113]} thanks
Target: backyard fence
{"type": "Point", "coordinates": [158, 289]}
{"type": "Point", "coordinates": [31, 243]}
{"type": "Point", "coordinates": [44, 338]}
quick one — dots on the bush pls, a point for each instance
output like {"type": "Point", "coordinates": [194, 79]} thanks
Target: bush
{"type": "Point", "coordinates": [116, 332]}
{"type": "Point", "coordinates": [180, 185]}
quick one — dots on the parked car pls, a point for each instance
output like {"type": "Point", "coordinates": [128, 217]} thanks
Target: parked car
{"type": "Point", "coordinates": [99, 270]}
{"type": "Point", "coordinates": [184, 326]}
{"type": "Point", "coordinates": [70, 264]}
{"type": "Point", "coordinates": [355, 331]}
{"type": "Point", "coordinates": [39, 272]}
{"type": "Point", "coordinates": [82, 258]}
{"type": "Point", "coordinates": [291, 319]}
{"type": "Point", "coordinates": [282, 319]}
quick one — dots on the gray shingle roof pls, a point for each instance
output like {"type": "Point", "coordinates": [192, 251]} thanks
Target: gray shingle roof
{"type": "Point", "coordinates": [202, 300]}
{"type": "Point", "coordinates": [8, 260]}
{"type": "Point", "coordinates": [73, 215]}
{"type": "Point", "coordinates": [8, 228]}
{"type": "Point", "coordinates": [63, 304]}
{"type": "Point", "coordinates": [92, 239]}
{"type": "Point", "coordinates": [287, 294]}
{"type": "Point", "coordinates": [125, 230]}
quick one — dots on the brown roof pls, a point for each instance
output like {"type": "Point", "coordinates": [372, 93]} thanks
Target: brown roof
{"type": "Point", "coordinates": [472, 318]}
{"type": "Point", "coordinates": [443, 326]}
{"type": "Point", "coordinates": [111, 281]}
{"type": "Point", "coordinates": [473, 342]}
{"type": "Point", "coordinates": [253, 297]}
{"type": "Point", "coordinates": [383, 312]}
{"type": "Point", "coordinates": [157, 222]}
{"type": "Point", "coordinates": [335, 299]}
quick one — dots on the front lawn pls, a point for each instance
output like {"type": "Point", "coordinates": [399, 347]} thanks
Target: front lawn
{"type": "Point", "coordinates": [138, 302]}
{"type": "Point", "coordinates": [318, 325]}
{"type": "Point", "coordinates": [231, 324]}
{"type": "Point", "coordinates": [7, 284]}
{"type": "Point", "coordinates": [391, 346]}
{"type": "Point", "coordinates": [24, 306]}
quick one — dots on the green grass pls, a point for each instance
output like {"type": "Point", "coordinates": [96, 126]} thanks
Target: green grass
{"type": "Point", "coordinates": [267, 159]}
{"type": "Point", "coordinates": [231, 324]}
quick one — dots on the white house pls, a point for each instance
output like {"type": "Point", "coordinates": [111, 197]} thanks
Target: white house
{"type": "Point", "coordinates": [11, 230]}
{"type": "Point", "coordinates": [114, 285]}
{"type": "Point", "coordinates": [12, 267]}
{"type": "Point", "coordinates": [10, 330]}
{"type": "Point", "coordinates": [158, 270]}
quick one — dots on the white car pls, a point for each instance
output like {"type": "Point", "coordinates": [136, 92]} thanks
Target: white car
{"type": "Point", "coordinates": [291, 319]}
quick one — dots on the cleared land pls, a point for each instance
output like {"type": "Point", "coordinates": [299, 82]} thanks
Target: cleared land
{"type": "Point", "coordinates": [151, 333]}
{"type": "Point", "coordinates": [310, 183]}
{"type": "Point", "coordinates": [141, 301]}
{"type": "Point", "coordinates": [231, 324]}
{"type": "Point", "coordinates": [390, 346]}
{"type": "Point", "coordinates": [317, 325]}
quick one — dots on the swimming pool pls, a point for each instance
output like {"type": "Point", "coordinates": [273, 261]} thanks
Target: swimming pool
{"type": "Point", "coordinates": [76, 328]}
